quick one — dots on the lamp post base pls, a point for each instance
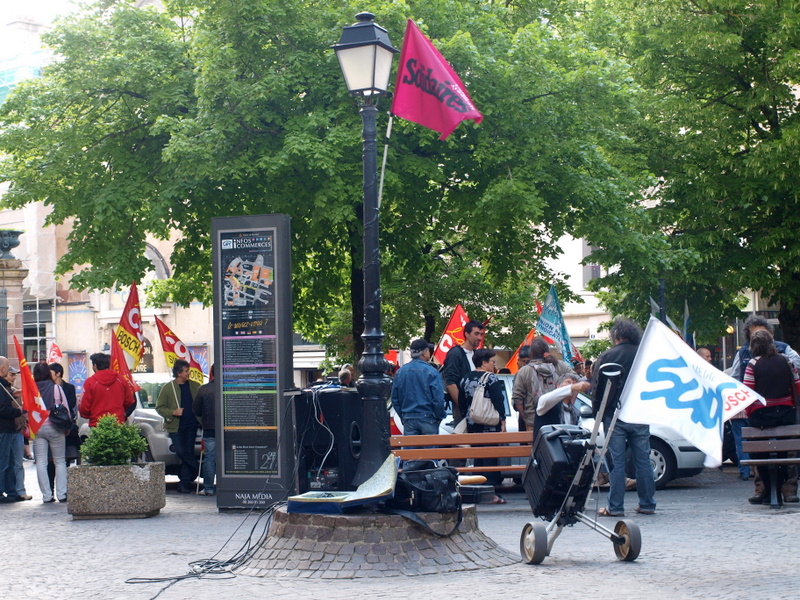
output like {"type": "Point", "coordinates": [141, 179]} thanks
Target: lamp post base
{"type": "Point", "coordinates": [375, 430]}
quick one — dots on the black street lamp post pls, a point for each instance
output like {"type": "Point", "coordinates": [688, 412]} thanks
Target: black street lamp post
{"type": "Point", "coordinates": [365, 56]}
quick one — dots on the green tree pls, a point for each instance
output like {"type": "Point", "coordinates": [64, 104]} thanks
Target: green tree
{"type": "Point", "coordinates": [242, 110]}
{"type": "Point", "coordinates": [721, 134]}
{"type": "Point", "coordinates": [86, 138]}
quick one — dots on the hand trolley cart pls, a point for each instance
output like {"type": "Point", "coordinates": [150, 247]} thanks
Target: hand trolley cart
{"type": "Point", "coordinates": [560, 476]}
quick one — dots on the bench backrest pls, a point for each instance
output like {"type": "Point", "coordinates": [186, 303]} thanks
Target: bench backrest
{"type": "Point", "coordinates": [785, 438]}
{"type": "Point", "coordinates": [463, 445]}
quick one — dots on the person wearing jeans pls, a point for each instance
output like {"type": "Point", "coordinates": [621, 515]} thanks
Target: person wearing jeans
{"type": "Point", "coordinates": [203, 407]}
{"type": "Point", "coordinates": [17, 455]}
{"type": "Point", "coordinates": [736, 430]}
{"type": "Point", "coordinates": [626, 336]}
{"type": "Point", "coordinates": [638, 437]}
{"type": "Point", "coordinates": [209, 464]}
{"type": "Point", "coordinates": [50, 438]}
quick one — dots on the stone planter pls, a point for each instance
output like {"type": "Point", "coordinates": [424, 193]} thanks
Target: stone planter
{"type": "Point", "coordinates": [132, 491]}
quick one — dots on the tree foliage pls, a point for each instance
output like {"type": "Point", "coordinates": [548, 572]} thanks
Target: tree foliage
{"type": "Point", "coordinates": [722, 134]}
{"type": "Point", "coordinates": [152, 122]}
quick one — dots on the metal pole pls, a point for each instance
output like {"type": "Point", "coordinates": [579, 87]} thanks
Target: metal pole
{"type": "Point", "coordinates": [374, 384]}
{"type": "Point", "coordinates": [4, 320]}
{"type": "Point", "coordinates": [662, 308]}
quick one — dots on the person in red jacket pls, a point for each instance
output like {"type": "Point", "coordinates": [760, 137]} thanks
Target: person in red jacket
{"type": "Point", "coordinates": [105, 392]}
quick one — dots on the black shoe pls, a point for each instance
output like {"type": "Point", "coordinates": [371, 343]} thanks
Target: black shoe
{"type": "Point", "coordinates": [793, 498]}
{"type": "Point", "coordinates": [6, 500]}
{"type": "Point", "coordinates": [183, 490]}
{"type": "Point", "coordinates": [759, 499]}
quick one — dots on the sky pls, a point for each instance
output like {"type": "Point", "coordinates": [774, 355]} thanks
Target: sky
{"type": "Point", "coordinates": [41, 11]}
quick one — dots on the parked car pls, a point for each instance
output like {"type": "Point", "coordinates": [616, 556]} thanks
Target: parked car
{"type": "Point", "coordinates": [671, 455]}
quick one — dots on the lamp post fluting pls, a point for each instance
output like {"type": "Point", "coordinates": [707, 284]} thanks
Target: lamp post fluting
{"type": "Point", "coordinates": [365, 55]}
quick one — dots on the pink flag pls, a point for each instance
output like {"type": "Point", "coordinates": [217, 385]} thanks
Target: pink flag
{"type": "Point", "coordinates": [427, 90]}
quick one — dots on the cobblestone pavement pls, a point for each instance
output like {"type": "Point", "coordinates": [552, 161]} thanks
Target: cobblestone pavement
{"type": "Point", "coordinates": [705, 541]}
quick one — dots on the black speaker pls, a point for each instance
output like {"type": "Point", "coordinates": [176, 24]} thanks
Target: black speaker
{"type": "Point", "coordinates": [328, 424]}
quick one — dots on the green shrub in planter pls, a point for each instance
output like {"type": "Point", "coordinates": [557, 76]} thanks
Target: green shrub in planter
{"type": "Point", "coordinates": [112, 443]}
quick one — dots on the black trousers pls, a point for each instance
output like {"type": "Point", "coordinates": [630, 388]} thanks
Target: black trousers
{"type": "Point", "coordinates": [183, 443]}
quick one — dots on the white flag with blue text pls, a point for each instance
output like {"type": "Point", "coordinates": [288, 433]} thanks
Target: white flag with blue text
{"type": "Point", "coordinates": [670, 385]}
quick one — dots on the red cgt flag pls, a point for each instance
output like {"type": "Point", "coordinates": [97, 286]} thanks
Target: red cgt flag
{"type": "Point", "coordinates": [130, 333]}
{"type": "Point", "coordinates": [31, 398]}
{"type": "Point", "coordinates": [453, 334]}
{"type": "Point", "coordinates": [120, 366]}
{"type": "Point", "coordinates": [54, 355]}
{"type": "Point", "coordinates": [174, 348]}
{"type": "Point", "coordinates": [427, 90]}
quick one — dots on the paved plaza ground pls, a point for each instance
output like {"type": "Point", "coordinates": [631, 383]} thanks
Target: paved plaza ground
{"type": "Point", "coordinates": [705, 542]}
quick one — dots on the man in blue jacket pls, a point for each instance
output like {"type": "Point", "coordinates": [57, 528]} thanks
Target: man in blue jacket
{"type": "Point", "coordinates": [418, 392]}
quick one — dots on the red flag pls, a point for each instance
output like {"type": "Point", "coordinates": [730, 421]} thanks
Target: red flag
{"type": "Point", "coordinates": [576, 354]}
{"type": "Point", "coordinates": [120, 366]}
{"type": "Point", "coordinates": [130, 333]}
{"type": "Point", "coordinates": [54, 355]}
{"type": "Point", "coordinates": [427, 90]}
{"type": "Point", "coordinates": [174, 348]}
{"type": "Point", "coordinates": [31, 398]}
{"type": "Point", "coordinates": [453, 334]}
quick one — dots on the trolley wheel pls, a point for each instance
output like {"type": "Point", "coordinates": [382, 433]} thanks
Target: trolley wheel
{"type": "Point", "coordinates": [533, 543]}
{"type": "Point", "coordinates": [629, 549]}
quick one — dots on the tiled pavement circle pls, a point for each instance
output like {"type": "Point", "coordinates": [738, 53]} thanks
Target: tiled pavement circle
{"type": "Point", "coordinates": [372, 545]}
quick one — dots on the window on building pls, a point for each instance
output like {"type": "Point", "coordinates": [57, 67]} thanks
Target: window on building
{"type": "Point", "coordinates": [37, 320]}
{"type": "Point", "coordinates": [589, 271]}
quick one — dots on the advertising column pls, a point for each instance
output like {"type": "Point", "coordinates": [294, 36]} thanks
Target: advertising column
{"type": "Point", "coordinates": [253, 356]}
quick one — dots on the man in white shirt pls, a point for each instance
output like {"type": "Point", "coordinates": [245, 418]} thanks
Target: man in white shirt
{"type": "Point", "coordinates": [558, 406]}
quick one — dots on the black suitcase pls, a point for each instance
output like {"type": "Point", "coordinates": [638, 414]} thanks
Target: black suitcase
{"type": "Point", "coordinates": [556, 455]}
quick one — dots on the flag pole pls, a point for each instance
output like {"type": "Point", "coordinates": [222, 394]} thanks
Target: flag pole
{"type": "Point", "coordinates": [385, 152]}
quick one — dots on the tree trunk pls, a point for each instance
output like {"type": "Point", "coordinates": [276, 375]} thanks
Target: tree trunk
{"type": "Point", "coordinates": [430, 326]}
{"type": "Point", "coordinates": [790, 323]}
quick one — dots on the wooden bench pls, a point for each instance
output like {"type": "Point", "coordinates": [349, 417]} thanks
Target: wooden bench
{"type": "Point", "coordinates": [465, 446]}
{"type": "Point", "coordinates": [785, 438]}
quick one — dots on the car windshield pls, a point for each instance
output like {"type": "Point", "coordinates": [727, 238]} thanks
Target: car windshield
{"type": "Point", "coordinates": [149, 393]}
